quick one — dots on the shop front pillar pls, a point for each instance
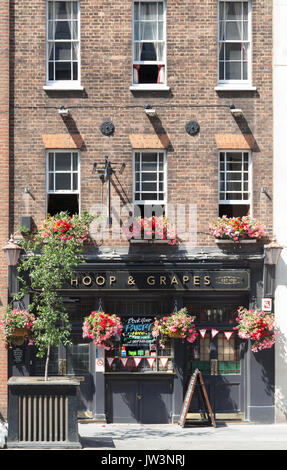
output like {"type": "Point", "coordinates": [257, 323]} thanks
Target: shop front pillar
{"type": "Point", "coordinates": [99, 383]}
{"type": "Point", "coordinates": [261, 380]}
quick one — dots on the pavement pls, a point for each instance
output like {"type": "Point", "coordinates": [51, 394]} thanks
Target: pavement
{"type": "Point", "coordinates": [170, 437]}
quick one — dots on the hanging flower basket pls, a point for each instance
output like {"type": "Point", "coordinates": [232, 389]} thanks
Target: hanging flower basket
{"type": "Point", "coordinates": [17, 325]}
{"type": "Point", "coordinates": [178, 325]}
{"type": "Point", "coordinates": [151, 229]}
{"type": "Point", "coordinates": [258, 326]}
{"type": "Point", "coordinates": [102, 328]}
{"type": "Point", "coordinates": [237, 229]}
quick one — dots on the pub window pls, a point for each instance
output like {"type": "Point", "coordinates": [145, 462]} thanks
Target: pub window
{"type": "Point", "coordinates": [217, 354]}
{"type": "Point", "coordinates": [136, 350]}
{"type": "Point", "coordinates": [149, 43]}
{"type": "Point", "coordinates": [149, 183]}
{"type": "Point", "coordinates": [63, 42]}
{"type": "Point", "coordinates": [234, 183]}
{"type": "Point", "coordinates": [63, 182]}
{"type": "Point", "coordinates": [234, 33]}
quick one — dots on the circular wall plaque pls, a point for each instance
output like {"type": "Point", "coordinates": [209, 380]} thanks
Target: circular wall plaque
{"type": "Point", "coordinates": [107, 128]}
{"type": "Point", "coordinates": [192, 127]}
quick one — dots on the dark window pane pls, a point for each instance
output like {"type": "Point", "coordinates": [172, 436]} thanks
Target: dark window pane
{"type": "Point", "coordinates": [63, 70]}
{"type": "Point", "coordinates": [63, 162]}
{"type": "Point", "coordinates": [63, 51]}
{"type": "Point", "coordinates": [75, 70]}
{"type": "Point", "coordinates": [63, 30]}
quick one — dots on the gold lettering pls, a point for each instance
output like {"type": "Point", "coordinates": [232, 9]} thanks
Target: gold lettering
{"type": "Point", "coordinates": [112, 279]}
{"type": "Point", "coordinates": [100, 280]}
{"type": "Point", "coordinates": [131, 281]}
{"type": "Point", "coordinates": [196, 280]}
{"type": "Point", "coordinates": [185, 279]}
{"type": "Point", "coordinates": [174, 281]}
{"type": "Point", "coordinates": [87, 280]}
{"type": "Point", "coordinates": [75, 281]}
{"type": "Point", "coordinates": [207, 280]}
{"type": "Point", "coordinates": [151, 281]}
{"type": "Point", "coordinates": [162, 280]}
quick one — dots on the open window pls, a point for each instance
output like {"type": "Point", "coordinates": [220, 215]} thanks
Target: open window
{"type": "Point", "coordinates": [234, 183]}
{"type": "Point", "coordinates": [149, 43]}
{"type": "Point", "coordinates": [63, 192]}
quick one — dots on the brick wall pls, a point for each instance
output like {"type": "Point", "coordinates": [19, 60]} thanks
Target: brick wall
{"type": "Point", "coordinates": [106, 75]}
{"type": "Point", "coordinates": [4, 183]}
{"type": "Point", "coordinates": [106, 65]}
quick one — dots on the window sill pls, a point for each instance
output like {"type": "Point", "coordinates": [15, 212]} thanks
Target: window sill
{"type": "Point", "coordinates": [235, 87]}
{"type": "Point", "coordinates": [68, 87]}
{"type": "Point", "coordinates": [149, 87]}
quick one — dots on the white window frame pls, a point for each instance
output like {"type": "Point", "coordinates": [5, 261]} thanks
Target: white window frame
{"type": "Point", "coordinates": [156, 202]}
{"type": "Point", "coordinates": [225, 171]}
{"type": "Point", "coordinates": [150, 86]}
{"type": "Point", "coordinates": [239, 83]}
{"type": "Point", "coordinates": [48, 172]}
{"type": "Point", "coordinates": [63, 84]}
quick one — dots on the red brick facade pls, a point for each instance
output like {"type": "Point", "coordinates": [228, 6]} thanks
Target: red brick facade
{"type": "Point", "coordinates": [4, 182]}
{"type": "Point", "coordinates": [106, 66]}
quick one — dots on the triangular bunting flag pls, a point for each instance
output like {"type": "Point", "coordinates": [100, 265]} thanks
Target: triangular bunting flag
{"type": "Point", "coordinates": [163, 361]}
{"type": "Point", "coordinates": [228, 334]}
{"type": "Point", "coordinates": [137, 360]}
{"type": "Point", "coordinates": [202, 333]}
{"type": "Point", "coordinates": [214, 332]}
{"type": "Point", "coordinates": [124, 361]}
{"type": "Point", "coordinates": [110, 360]}
{"type": "Point", "coordinates": [150, 360]}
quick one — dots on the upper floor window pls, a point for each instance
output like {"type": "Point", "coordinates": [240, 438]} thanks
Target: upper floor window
{"type": "Point", "coordinates": [63, 42]}
{"type": "Point", "coordinates": [234, 183]}
{"type": "Point", "coordinates": [63, 170]}
{"type": "Point", "coordinates": [234, 35]}
{"type": "Point", "coordinates": [150, 181]}
{"type": "Point", "coordinates": [149, 62]}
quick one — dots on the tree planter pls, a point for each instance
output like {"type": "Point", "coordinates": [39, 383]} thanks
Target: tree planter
{"type": "Point", "coordinates": [43, 414]}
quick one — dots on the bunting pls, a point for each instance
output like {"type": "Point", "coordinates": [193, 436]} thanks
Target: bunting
{"type": "Point", "coordinates": [110, 360]}
{"type": "Point", "coordinates": [137, 360]}
{"type": "Point", "coordinates": [202, 333]}
{"type": "Point", "coordinates": [124, 361]}
{"type": "Point", "coordinates": [150, 360]}
{"type": "Point", "coordinates": [228, 334]}
{"type": "Point", "coordinates": [163, 361]}
{"type": "Point", "coordinates": [214, 332]}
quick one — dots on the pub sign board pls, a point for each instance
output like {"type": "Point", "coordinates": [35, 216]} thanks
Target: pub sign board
{"type": "Point", "coordinates": [178, 280]}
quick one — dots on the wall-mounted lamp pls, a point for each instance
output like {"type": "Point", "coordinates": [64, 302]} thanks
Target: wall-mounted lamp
{"type": "Point", "coordinates": [149, 110]}
{"type": "Point", "coordinates": [63, 111]}
{"type": "Point", "coordinates": [235, 111]}
{"type": "Point", "coordinates": [272, 252]}
{"type": "Point", "coordinates": [12, 251]}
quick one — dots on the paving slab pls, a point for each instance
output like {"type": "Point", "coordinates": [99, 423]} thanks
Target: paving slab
{"type": "Point", "coordinates": [231, 436]}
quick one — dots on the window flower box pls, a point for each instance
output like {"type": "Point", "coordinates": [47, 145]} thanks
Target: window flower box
{"type": "Point", "coordinates": [150, 230]}
{"type": "Point", "coordinates": [236, 229]}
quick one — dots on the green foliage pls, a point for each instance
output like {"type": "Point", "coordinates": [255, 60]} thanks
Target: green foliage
{"type": "Point", "coordinates": [52, 255]}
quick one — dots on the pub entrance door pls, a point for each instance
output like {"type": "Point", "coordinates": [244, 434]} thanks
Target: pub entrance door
{"type": "Point", "coordinates": [139, 374]}
{"type": "Point", "coordinates": [220, 356]}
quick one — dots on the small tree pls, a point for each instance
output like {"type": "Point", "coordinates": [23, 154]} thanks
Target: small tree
{"type": "Point", "coordinates": [52, 255]}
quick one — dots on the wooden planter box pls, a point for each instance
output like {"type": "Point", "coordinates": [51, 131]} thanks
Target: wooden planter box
{"type": "Point", "coordinates": [42, 414]}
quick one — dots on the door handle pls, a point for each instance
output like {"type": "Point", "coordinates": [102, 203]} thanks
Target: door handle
{"type": "Point", "coordinates": [138, 397]}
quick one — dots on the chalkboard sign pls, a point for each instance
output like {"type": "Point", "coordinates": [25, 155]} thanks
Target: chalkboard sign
{"type": "Point", "coordinates": [137, 331]}
{"type": "Point", "coordinates": [196, 378]}
{"type": "Point", "coordinates": [18, 355]}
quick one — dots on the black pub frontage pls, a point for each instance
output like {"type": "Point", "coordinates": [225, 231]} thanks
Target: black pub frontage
{"type": "Point", "coordinates": [140, 382]}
